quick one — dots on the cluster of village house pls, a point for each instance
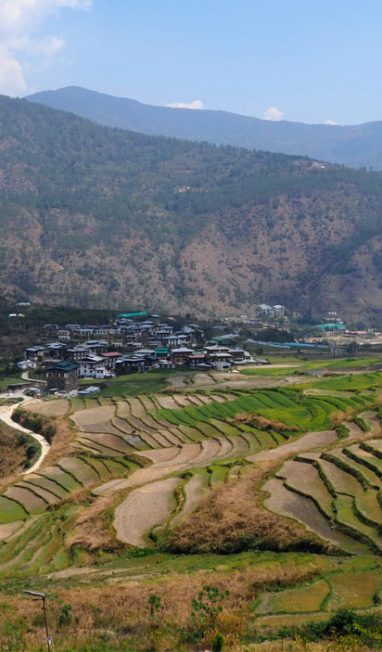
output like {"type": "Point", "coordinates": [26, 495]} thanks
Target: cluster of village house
{"type": "Point", "coordinates": [127, 346]}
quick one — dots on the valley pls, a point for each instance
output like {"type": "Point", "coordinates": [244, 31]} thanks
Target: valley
{"type": "Point", "coordinates": [190, 326]}
{"type": "Point", "coordinates": [266, 486]}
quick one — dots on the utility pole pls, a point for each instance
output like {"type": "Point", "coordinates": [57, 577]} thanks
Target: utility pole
{"type": "Point", "coordinates": [37, 595]}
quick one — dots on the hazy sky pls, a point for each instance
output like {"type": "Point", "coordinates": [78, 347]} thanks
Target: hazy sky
{"type": "Point", "coordinates": [306, 60]}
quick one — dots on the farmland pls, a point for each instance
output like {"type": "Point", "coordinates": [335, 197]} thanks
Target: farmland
{"type": "Point", "coordinates": [206, 473]}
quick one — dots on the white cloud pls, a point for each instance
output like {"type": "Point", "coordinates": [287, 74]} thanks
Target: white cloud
{"type": "Point", "coordinates": [196, 105]}
{"type": "Point", "coordinates": [20, 21]}
{"type": "Point", "coordinates": [12, 80]}
{"type": "Point", "coordinates": [329, 121]}
{"type": "Point", "coordinates": [46, 48]}
{"type": "Point", "coordinates": [19, 16]}
{"type": "Point", "coordinates": [273, 113]}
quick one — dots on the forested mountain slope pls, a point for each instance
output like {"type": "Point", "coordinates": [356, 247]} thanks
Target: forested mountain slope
{"type": "Point", "coordinates": [355, 145]}
{"type": "Point", "coordinates": [93, 216]}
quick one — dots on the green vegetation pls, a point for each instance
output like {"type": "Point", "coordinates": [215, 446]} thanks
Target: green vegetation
{"type": "Point", "coordinates": [9, 380]}
{"type": "Point", "coordinates": [299, 366]}
{"type": "Point", "coordinates": [130, 385]}
{"type": "Point", "coordinates": [10, 510]}
{"type": "Point", "coordinates": [351, 383]}
{"type": "Point", "coordinates": [17, 451]}
{"type": "Point", "coordinates": [99, 197]}
{"type": "Point", "coordinates": [291, 407]}
{"type": "Point", "coordinates": [38, 423]}
{"type": "Point", "coordinates": [297, 600]}
{"type": "Point", "coordinates": [339, 488]}
{"type": "Point", "coordinates": [275, 579]}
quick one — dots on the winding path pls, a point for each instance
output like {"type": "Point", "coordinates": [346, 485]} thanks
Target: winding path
{"type": "Point", "coordinates": [6, 412]}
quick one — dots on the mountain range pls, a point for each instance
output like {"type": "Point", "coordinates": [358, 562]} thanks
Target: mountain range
{"type": "Point", "coordinates": [100, 217]}
{"type": "Point", "coordinates": [356, 146]}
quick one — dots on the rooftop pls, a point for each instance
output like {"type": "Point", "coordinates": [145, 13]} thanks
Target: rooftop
{"type": "Point", "coordinates": [65, 366]}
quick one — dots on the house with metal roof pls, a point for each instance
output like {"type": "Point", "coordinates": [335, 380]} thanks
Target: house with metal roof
{"type": "Point", "coordinates": [63, 376]}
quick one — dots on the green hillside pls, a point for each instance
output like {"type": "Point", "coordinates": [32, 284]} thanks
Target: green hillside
{"type": "Point", "coordinates": [354, 145]}
{"type": "Point", "coordinates": [93, 216]}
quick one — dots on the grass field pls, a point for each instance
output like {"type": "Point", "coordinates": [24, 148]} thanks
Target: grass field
{"type": "Point", "coordinates": [303, 599]}
{"type": "Point", "coordinates": [300, 366]}
{"type": "Point", "coordinates": [134, 384]}
{"type": "Point", "coordinates": [131, 385]}
{"type": "Point", "coordinates": [10, 380]}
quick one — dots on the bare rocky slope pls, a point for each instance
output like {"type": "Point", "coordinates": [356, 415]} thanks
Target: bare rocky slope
{"type": "Point", "coordinates": [93, 216]}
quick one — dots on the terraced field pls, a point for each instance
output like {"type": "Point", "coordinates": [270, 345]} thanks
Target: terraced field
{"type": "Point", "coordinates": [342, 483]}
{"type": "Point", "coordinates": [154, 456]}
{"type": "Point", "coordinates": [353, 588]}
{"type": "Point", "coordinates": [304, 456]}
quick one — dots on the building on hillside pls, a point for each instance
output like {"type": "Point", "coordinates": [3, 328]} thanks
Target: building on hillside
{"type": "Point", "coordinates": [220, 360]}
{"type": "Point", "coordinates": [170, 340]}
{"type": "Point", "coordinates": [24, 365]}
{"type": "Point", "coordinates": [328, 327]}
{"type": "Point", "coordinates": [63, 334]}
{"type": "Point", "coordinates": [162, 352]}
{"type": "Point", "coordinates": [110, 358]}
{"type": "Point", "coordinates": [78, 353]}
{"type": "Point", "coordinates": [271, 312]}
{"type": "Point", "coordinates": [98, 347]}
{"type": "Point", "coordinates": [241, 356]}
{"type": "Point", "coordinates": [56, 350]}
{"type": "Point", "coordinates": [129, 365]}
{"type": "Point", "coordinates": [93, 367]}
{"type": "Point", "coordinates": [180, 355]}
{"type": "Point", "coordinates": [35, 354]}
{"type": "Point", "coordinates": [197, 359]}
{"type": "Point", "coordinates": [62, 377]}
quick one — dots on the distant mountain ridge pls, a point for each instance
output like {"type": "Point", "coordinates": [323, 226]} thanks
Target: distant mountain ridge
{"type": "Point", "coordinates": [356, 146]}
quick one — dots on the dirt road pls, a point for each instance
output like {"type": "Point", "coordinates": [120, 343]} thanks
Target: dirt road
{"type": "Point", "coordinates": [6, 412]}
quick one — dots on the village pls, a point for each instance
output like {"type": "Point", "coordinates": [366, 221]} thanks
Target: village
{"type": "Point", "coordinates": [139, 342]}
{"type": "Point", "coordinates": [132, 344]}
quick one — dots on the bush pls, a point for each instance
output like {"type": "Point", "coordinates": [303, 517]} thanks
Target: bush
{"type": "Point", "coordinates": [65, 616]}
{"type": "Point", "coordinates": [366, 629]}
{"type": "Point", "coordinates": [36, 422]}
{"type": "Point", "coordinates": [218, 643]}
{"type": "Point", "coordinates": [341, 431]}
{"type": "Point", "coordinates": [32, 450]}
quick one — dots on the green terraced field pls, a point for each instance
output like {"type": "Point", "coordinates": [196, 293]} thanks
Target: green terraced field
{"type": "Point", "coordinates": [303, 599]}
{"type": "Point", "coordinates": [197, 442]}
{"type": "Point", "coordinates": [40, 548]}
{"type": "Point", "coordinates": [11, 511]}
{"type": "Point", "coordinates": [342, 488]}
{"type": "Point", "coordinates": [354, 590]}
{"type": "Point", "coordinates": [349, 589]}
{"type": "Point", "coordinates": [289, 407]}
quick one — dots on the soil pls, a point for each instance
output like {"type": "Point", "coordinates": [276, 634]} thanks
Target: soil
{"type": "Point", "coordinates": [310, 441]}
{"type": "Point", "coordinates": [143, 509]}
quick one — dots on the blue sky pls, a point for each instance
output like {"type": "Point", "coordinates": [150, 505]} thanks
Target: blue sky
{"type": "Point", "coordinates": [305, 60]}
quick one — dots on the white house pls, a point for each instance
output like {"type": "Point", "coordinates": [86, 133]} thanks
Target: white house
{"type": "Point", "coordinates": [93, 366]}
{"type": "Point", "coordinates": [220, 360]}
